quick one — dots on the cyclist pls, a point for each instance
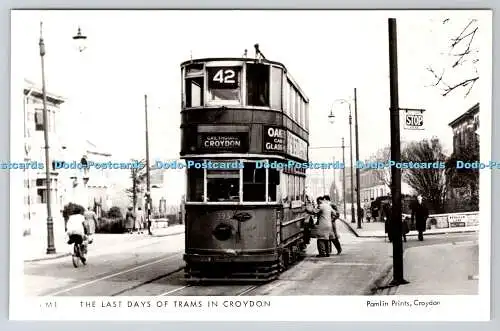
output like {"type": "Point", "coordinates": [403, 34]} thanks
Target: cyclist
{"type": "Point", "coordinates": [78, 230]}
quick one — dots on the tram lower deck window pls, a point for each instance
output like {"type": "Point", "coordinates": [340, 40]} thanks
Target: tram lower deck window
{"type": "Point", "coordinates": [223, 185]}
{"type": "Point", "coordinates": [254, 183]}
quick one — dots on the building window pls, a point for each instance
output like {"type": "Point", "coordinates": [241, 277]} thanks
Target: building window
{"type": "Point", "coordinates": [276, 82]}
{"type": "Point", "coordinates": [291, 101]}
{"type": "Point", "coordinates": [41, 195]}
{"type": "Point", "coordinates": [39, 119]}
{"type": "Point", "coordinates": [258, 85]}
{"type": "Point", "coordinates": [224, 85]}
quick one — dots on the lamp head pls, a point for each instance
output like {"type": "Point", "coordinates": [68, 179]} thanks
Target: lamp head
{"type": "Point", "coordinates": [80, 40]}
{"type": "Point", "coordinates": [331, 117]}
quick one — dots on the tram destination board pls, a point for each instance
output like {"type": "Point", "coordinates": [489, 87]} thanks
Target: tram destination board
{"type": "Point", "coordinates": [222, 78]}
{"type": "Point", "coordinates": [236, 142]}
{"type": "Point", "coordinates": [274, 139]}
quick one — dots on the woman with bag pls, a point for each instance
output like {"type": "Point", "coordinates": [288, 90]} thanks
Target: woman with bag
{"type": "Point", "coordinates": [324, 228]}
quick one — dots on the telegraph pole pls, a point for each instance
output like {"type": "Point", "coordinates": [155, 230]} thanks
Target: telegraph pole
{"type": "Point", "coordinates": [358, 193]}
{"type": "Point", "coordinates": [397, 240]}
{"type": "Point", "coordinates": [148, 182]}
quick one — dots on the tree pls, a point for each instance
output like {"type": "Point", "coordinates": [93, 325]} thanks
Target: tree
{"type": "Point", "coordinates": [428, 182]}
{"type": "Point", "coordinates": [137, 176]}
{"type": "Point", "coordinates": [465, 179]}
{"type": "Point", "coordinates": [383, 155]}
{"type": "Point", "coordinates": [464, 55]}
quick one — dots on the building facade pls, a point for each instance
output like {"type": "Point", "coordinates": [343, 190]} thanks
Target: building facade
{"type": "Point", "coordinates": [463, 195]}
{"type": "Point", "coordinates": [465, 128]}
{"type": "Point", "coordinates": [68, 182]}
{"type": "Point", "coordinates": [35, 183]}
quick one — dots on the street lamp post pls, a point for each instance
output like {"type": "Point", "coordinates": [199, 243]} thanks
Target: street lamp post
{"type": "Point", "coordinates": [332, 116]}
{"type": "Point", "coordinates": [148, 179]}
{"type": "Point", "coordinates": [343, 177]}
{"type": "Point", "coordinates": [51, 249]}
{"type": "Point", "coordinates": [358, 193]}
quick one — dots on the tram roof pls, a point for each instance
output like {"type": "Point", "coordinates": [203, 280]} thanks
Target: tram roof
{"type": "Point", "coordinates": [246, 59]}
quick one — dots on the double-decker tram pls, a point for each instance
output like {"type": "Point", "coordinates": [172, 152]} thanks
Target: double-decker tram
{"type": "Point", "coordinates": [244, 122]}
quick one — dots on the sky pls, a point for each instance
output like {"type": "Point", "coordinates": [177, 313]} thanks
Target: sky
{"type": "Point", "coordinates": [329, 53]}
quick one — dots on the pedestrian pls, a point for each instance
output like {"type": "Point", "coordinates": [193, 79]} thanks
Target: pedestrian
{"type": "Point", "coordinates": [419, 215]}
{"type": "Point", "coordinates": [334, 239]}
{"type": "Point", "coordinates": [387, 217]}
{"type": "Point", "coordinates": [139, 220]}
{"type": "Point", "coordinates": [323, 229]}
{"type": "Point", "coordinates": [130, 220]}
{"type": "Point", "coordinates": [91, 222]}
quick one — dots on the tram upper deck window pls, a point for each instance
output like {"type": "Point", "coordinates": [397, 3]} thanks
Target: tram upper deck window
{"type": "Point", "coordinates": [223, 185]}
{"type": "Point", "coordinates": [194, 92]}
{"type": "Point", "coordinates": [224, 85]}
{"type": "Point", "coordinates": [258, 85]}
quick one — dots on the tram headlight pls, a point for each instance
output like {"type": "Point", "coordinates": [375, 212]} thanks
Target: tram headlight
{"type": "Point", "coordinates": [223, 232]}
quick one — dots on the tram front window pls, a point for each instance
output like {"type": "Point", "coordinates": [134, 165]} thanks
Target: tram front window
{"type": "Point", "coordinates": [223, 185]}
{"type": "Point", "coordinates": [224, 85]}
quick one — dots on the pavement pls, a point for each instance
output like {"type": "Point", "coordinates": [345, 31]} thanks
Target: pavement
{"type": "Point", "coordinates": [452, 270]}
{"type": "Point", "coordinates": [377, 230]}
{"type": "Point", "coordinates": [35, 247]}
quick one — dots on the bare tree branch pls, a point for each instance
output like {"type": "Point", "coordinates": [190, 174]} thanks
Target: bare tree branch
{"type": "Point", "coordinates": [466, 54]}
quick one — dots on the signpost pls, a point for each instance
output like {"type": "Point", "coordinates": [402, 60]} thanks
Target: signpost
{"type": "Point", "coordinates": [414, 119]}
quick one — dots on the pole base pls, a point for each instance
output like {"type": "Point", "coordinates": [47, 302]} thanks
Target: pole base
{"type": "Point", "coordinates": [397, 282]}
{"type": "Point", "coordinates": [51, 250]}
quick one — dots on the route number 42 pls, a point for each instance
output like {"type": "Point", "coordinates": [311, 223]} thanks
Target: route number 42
{"type": "Point", "coordinates": [225, 76]}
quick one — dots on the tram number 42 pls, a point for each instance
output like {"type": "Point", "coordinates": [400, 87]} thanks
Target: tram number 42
{"type": "Point", "coordinates": [224, 78]}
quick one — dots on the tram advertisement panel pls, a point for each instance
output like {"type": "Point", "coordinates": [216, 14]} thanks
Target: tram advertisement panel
{"type": "Point", "coordinates": [274, 139]}
{"type": "Point", "coordinates": [236, 142]}
{"type": "Point", "coordinates": [296, 146]}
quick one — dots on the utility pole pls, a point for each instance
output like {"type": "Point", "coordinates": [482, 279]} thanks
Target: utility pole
{"type": "Point", "coordinates": [353, 215]}
{"type": "Point", "coordinates": [343, 178]}
{"type": "Point", "coordinates": [397, 240]}
{"type": "Point", "coordinates": [148, 182]}
{"type": "Point", "coordinates": [358, 193]}
{"type": "Point", "coordinates": [51, 249]}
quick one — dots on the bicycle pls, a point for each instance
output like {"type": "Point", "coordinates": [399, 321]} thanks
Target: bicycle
{"type": "Point", "coordinates": [78, 253]}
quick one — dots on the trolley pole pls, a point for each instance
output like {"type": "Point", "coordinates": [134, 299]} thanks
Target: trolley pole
{"type": "Point", "coordinates": [358, 193]}
{"type": "Point", "coordinates": [343, 178]}
{"type": "Point", "coordinates": [148, 182]}
{"type": "Point", "coordinates": [397, 240]}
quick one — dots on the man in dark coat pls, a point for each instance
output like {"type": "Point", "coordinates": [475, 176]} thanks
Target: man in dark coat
{"type": "Point", "coordinates": [419, 215]}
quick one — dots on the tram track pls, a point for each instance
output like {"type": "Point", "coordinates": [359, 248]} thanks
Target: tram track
{"type": "Point", "coordinates": [172, 280]}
